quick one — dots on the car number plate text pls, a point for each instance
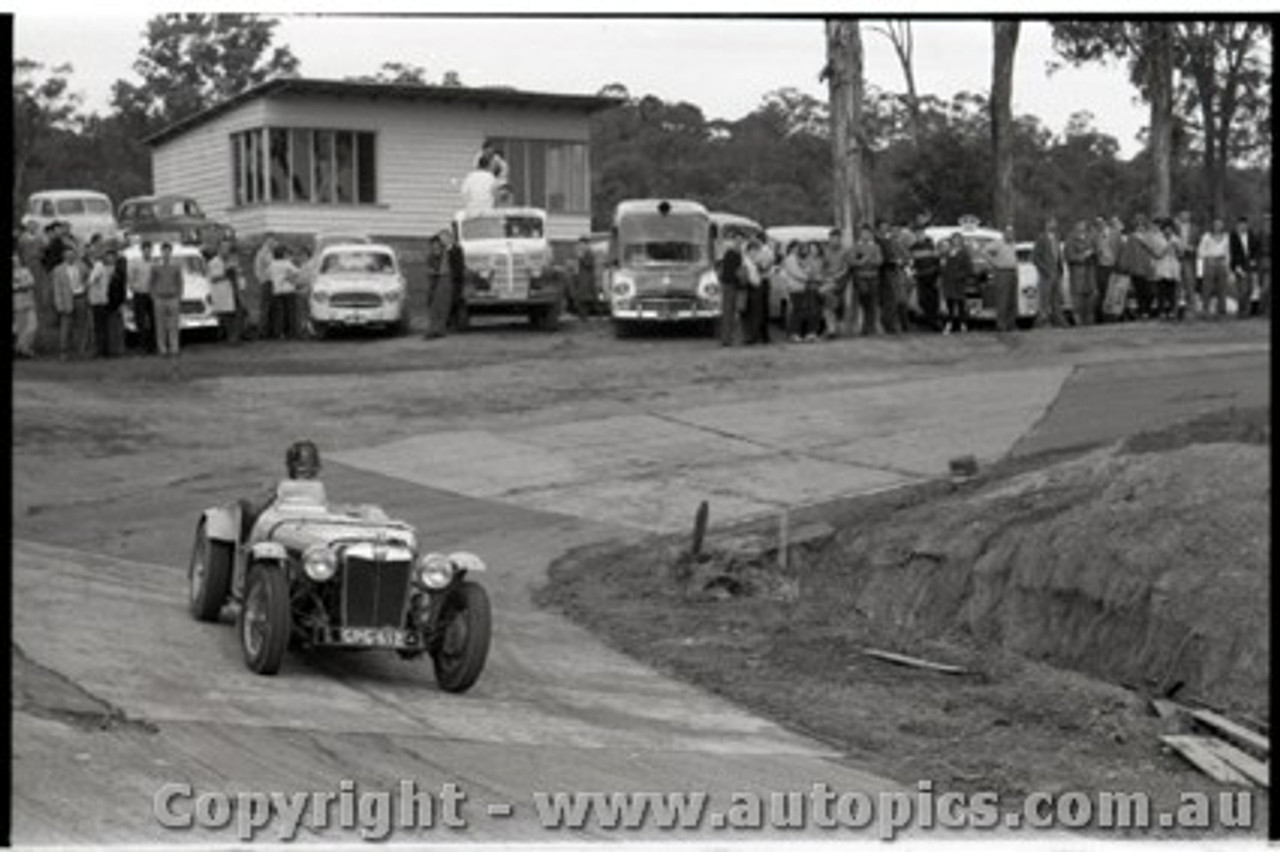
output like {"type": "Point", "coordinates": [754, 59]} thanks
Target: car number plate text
{"type": "Point", "coordinates": [357, 319]}
{"type": "Point", "coordinates": [374, 637]}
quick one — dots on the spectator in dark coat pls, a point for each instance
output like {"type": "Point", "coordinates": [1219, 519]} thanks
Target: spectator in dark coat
{"type": "Point", "coordinates": [732, 293]}
{"type": "Point", "coordinates": [455, 260]}
{"type": "Point", "coordinates": [955, 273]}
{"type": "Point", "coordinates": [1244, 265]}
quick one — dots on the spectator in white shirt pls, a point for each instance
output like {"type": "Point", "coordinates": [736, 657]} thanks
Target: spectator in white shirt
{"type": "Point", "coordinates": [283, 275]}
{"type": "Point", "coordinates": [1214, 253]}
{"type": "Point", "coordinates": [479, 188]}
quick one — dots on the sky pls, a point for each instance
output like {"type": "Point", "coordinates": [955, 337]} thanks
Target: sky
{"type": "Point", "coordinates": [724, 66]}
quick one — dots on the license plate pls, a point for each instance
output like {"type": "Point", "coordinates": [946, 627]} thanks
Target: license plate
{"type": "Point", "coordinates": [356, 319]}
{"type": "Point", "coordinates": [975, 306]}
{"type": "Point", "coordinates": [374, 637]}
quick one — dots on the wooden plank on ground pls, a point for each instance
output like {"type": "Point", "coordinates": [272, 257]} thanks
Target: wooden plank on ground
{"type": "Point", "coordinates": [1255, 770]}
{"type": "Point", "coordinates": [1201, 753]}
{"type": "Point", "coordinates": [913, 662]}
{"type": "Point", "coordinates": [1166, 709]}
{"type": "Point", "coordinates": [1233, 731]}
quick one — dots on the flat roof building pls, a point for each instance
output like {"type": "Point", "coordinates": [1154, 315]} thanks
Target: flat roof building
{"type": "Point", "coordinates": [304, 156]}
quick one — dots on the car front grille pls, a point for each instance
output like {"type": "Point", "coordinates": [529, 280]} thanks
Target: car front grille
{"type": "Point", "coordinates": [192, 306]}
{"type": "Point", "coordinates": [355, 300]}
{"type": "Point", "coordinates": [374, 590]}
{"type": "Point", "coordinates": [683, 303]}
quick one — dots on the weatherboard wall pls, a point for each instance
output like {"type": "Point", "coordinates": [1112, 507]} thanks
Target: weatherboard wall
{"type": "Point", "coordinates": [423, 152]}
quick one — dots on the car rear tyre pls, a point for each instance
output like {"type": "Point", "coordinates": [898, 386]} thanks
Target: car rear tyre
{"type": "Point", "coordinates": [264, 625]}
{"type": "Point", "coordinates": [209, 575]}
{"type": "Point", "coordinates": [321, 330]}
{"type": "Point", "coordinates": [464, 642]}
{"type": "Point", "coordinates": [401, 327]}
{"type": "Point", "coordinates": [621, 330]}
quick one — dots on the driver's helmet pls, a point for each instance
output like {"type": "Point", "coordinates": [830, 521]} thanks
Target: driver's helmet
{"type": "Point", "coordinates": [303, 460]}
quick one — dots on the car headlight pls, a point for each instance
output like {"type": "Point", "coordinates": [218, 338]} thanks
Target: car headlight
{"type": "Point", "coordinates": [623, 287]}
{"type": "Point", "coordinates": [709, 286]}
{"type": "Point", "coordinates": [320, 297]}
{"type": "Point", "coordinates": [319, 562]}
{"type": "Point", "coordinates": [392, 295]}
{"type": "Point", "coordinates": [434, 571]}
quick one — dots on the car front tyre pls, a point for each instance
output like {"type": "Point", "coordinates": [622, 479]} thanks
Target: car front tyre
{"type": "Point", "coordinates": [464, 644]}
{"type": "Point", "coordinates": [209, 575]}
{"type": "Point", "coordinates": [264, 623]}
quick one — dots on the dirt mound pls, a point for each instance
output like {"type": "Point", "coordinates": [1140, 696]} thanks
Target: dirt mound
{"type": "Point", "coordinates": [1146, 568]}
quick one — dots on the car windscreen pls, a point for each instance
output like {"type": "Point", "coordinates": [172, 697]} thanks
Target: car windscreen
{"type": "Point", "coordinates": [357, 261]}
{"type": "Point", "coordinates": [656, 238]}
{"type": "Point", "coordinates": [178, 207]}
{"type": "Point", "coordinates": [502, 227]}
{"type": "Point", "coordinates": [729, 231]}
{"type": "Point", "coordinates": [70, 206]}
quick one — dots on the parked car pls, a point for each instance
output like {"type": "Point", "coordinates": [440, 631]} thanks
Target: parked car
{"type": "Point", "coordinates": [731, 225]}
{"type": "Point", "coordinates": [509, 268]}
{"type": "Point", "coordinates": [197, 296]}
{"type": "Point", "coordinates": [779, 238]}
{"type": "Point", "coordinates": [661, 264]}
{"type": "Point", "coordinates": [980, 297]}
{"type": "Point", "coordinates": [87, 212]}
{"type": "Point", "coordinates": [310, 574]}
{"type": "Point", "coordinates": [358, 285]}
{"type": "Point", "coordinates": [324, 239]}
{"type": "Point", "coordinates": [175, 219]}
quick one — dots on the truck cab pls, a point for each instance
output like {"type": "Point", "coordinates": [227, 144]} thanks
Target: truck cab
{"type": "Point", "coordinates": [508, 262]}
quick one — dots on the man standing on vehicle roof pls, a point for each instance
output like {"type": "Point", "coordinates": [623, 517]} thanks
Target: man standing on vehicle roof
{"type": "Point", "coordinates": [479, 187]}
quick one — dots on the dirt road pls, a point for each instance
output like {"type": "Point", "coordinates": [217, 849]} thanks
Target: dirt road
{"type": "Point", "coordinates": [517, 446]}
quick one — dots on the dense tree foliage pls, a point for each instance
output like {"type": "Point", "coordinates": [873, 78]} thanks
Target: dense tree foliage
{"type": "Point", "coordinates": [774, 164]}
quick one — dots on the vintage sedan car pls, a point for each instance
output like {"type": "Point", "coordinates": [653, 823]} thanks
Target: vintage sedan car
{"type": "Point", "coordinates": [175, 219]}
{"type": "Point", "coordinates": [312, 575]}
{"type": "Point", "coordinates": [324, 239]}
{"type": "Point", "coordinates": [980, 296]}
{"type": "Point", "coordinates": [509, 265]}
{"type": "Point", "coordinates": [87, 212]}
{"type": "Point", "coordinates": [198, 303]}
{"type": "Point", "coordinates": [359, 285]}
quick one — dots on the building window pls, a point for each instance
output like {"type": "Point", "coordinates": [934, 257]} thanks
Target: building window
{"type": "Point", "coordinates": [547, 173]}
{"type": "Point", "coordinates": [304, 165]}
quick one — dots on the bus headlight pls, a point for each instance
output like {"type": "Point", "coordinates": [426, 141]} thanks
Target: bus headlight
{"type": "Point", "coordinates": [709, 287]}
{"type": "Point", "coordinates": [622, 287]}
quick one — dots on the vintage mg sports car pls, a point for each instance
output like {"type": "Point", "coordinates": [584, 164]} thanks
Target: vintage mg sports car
{"type": "Point", "coordinates": [307, 574]}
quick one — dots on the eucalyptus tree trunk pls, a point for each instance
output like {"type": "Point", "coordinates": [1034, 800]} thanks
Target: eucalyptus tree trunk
{"type": "Point", "coordinates": [1006, 46]}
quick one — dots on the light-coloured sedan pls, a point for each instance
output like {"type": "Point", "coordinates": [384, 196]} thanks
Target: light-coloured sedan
{"type": "Point", "coordinates": [359, 285]}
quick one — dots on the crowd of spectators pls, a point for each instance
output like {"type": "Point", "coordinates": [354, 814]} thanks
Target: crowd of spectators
{"type": "Point", "coordinates": [895, 278]}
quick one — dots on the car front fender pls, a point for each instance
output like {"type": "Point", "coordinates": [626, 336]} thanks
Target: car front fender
{"type": "Point", "coordinates": [222, 523]}
{"type": "Point", "coordinates": [268, 551]}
